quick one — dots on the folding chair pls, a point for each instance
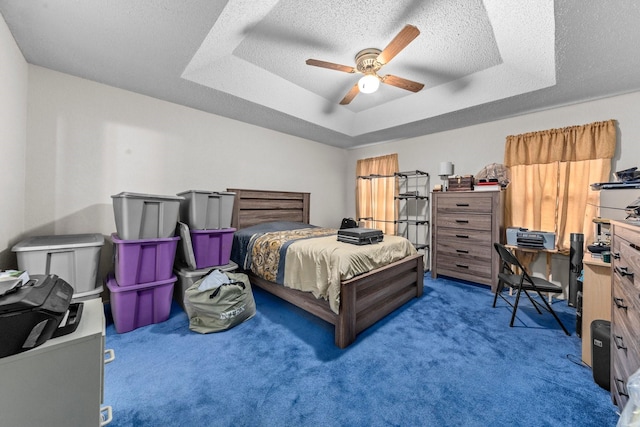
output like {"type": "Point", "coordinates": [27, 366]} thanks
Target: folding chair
{"type": "Point", "coordinates": [523, 282]}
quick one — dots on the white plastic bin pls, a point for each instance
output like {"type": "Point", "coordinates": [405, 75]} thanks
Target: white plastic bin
{"type": "Point", "coordinates": [227, 200]}
{"type": "Point", "coordinates": [206, 210]}
{"type": "Point", "coordinates": [145, 216]}
{"type": "Point", "coordinates": [200, 209]}
{"type": "Point", "coordinates": [75, 258]}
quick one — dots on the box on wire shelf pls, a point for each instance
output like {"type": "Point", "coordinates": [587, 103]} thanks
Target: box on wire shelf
{"type": "Point", "coordinates": [136, 306]}
{"type": "Point", "coordinates": [75, 258]}
{"type": "Point", "coordinates": [145, 216]}
{"type": "Point", "coordinates": [143, 261]}
{"type": "Point", "coordinates": [206, 210]}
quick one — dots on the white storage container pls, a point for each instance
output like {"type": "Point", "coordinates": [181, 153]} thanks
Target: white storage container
{"type": "Point", "coordinates": [206, 210]}
{"type": "Point", "coordinates": [227, 199]}
{"type": "Point", "coordinates": [145, 216]}
{"type": "Point", "coordinates": [75, 258]}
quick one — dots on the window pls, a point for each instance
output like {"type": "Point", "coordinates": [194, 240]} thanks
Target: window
{"type": "Point", "coordinates": [375, 197]}
{"type": "Point", "coordinates": [551, 172]}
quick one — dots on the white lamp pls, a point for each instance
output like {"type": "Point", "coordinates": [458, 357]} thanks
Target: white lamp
{"type": "Point", "coordinates": [446, 169]}
{"type": "Point", "coordinates": [369, 83]}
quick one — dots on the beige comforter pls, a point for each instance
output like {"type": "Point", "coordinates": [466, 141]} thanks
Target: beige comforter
{"type": "Point", "coordinates": [318, 265]}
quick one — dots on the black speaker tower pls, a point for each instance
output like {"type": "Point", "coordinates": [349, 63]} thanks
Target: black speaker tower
{"type": "Point", "coordinates": [575, 267]}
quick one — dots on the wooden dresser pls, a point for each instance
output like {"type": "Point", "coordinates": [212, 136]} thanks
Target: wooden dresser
{"type": "Point", "coordinates": [625, 307]}
{"type": "Point", "coordinates": [465, 226]}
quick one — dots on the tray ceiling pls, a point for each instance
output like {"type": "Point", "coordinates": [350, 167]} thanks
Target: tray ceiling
{"type": "Point", "coordinates": [479, 60]}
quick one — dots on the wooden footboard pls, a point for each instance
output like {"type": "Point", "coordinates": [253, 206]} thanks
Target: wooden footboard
{"type": "Point", "coordinates": [364, 300]}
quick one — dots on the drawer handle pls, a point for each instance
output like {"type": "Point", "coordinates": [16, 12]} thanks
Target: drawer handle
{"type": "Point", "coordinates": [618, 302]}
{"type": "Point", "coordinates": [462, 221]}
{"type": "Point", "coordinates": [462, 251]}
{"type": "Point", "coordinates": [617, 339]}
{"type": "Point", "coordinates": [462, 236]}
{"type": "Point", "coordinates": [462, 266]}
{"type": "Point", "coordinates": [620, 383]}
{"type": "Point", "coordinates": [462, 205]}
{"type": "Point", "coordinates": [616, 255]}
{"type": "Point", "coordinates": [624, 271]}
{"type": "Point", "coordinates": [634, 246]}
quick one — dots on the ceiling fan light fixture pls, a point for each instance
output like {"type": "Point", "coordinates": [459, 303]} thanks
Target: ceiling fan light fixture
{"type": "Point", "coordinates": [369, 83]}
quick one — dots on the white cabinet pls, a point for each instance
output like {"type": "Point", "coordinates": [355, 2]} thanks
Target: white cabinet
{"type": "Point", "coordinates": [60, 382]}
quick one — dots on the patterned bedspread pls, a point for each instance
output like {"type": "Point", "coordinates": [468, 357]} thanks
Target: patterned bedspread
{"type": "Point", "coordinates": [268, 251]}
{"type": "Point", "coordinates": [312, 260]}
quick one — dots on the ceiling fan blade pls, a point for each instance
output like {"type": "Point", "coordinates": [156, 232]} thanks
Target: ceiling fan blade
{"type": "Point", "coordinates": [350, 95]}
{"type": "Point", "coordinates": [401, 40]}
{"type": "Point", "coordinates": [402, 83]}
{"type": "Point", "coordinates": [330, 65]}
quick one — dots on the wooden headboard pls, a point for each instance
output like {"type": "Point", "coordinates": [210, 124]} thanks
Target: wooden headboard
{"type": "Point", "coordinates": [253, 207]}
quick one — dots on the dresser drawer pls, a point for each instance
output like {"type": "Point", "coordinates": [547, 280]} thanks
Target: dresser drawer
{"type": "Point", "coordinates": [619, 390]}
{"type": "Point", "coordinates": [464, 266]}
{"type": "Point", "coordinates": [464, 203]}
{"type": "Point", "coordinates": [464, 220]}
{"type": "Point", "coordinates": [460, 238]}
{"type": "Point", "coordinates": [628, 265]}
{"type": "Point", "coordinates": [623, 297]}
{"type": "Point", "coordinates": [624, 341]}
{"type": "Point", "coordinates": [464, 250]}
{"type": "Point", "coordinates": [629, 235]}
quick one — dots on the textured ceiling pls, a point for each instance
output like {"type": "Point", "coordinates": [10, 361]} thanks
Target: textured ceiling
{"type": "Point", "coordinates": [479, 60]}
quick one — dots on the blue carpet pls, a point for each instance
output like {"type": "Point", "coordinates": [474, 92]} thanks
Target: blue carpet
{"type": "Point", "coordinates": [445, 359]}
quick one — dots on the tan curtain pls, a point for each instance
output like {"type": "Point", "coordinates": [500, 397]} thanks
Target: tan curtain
{"type": "Point", "coordinates": [551, 172]}
{"type": "Point", "coordinates": [375, 196]}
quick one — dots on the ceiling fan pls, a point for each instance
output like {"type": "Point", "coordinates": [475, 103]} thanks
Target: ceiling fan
{"type": "Point", "coordinates": [370, 61]}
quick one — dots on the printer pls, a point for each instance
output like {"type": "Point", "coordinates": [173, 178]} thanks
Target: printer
{"type": "Point", "coordinates": [525, 238]}
{"type": "Point", "coordinates": [33, 312]}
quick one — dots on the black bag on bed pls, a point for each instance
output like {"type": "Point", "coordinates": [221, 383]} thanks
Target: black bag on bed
{"type": "Point", "coordinates": [348, 223]}
{"type": "Point", "coordinates": [360, 236]}
{"type": "Point", "coordinates": [220, 308]}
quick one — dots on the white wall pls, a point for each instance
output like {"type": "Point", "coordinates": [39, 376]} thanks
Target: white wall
{"type": "Point", "coordinates": [87, 141]}
{"type": "Point", "coordinates": [13, 126]}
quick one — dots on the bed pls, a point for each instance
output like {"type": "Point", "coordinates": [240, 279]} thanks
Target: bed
{"type": "Point", "coordinates": [363, 299]}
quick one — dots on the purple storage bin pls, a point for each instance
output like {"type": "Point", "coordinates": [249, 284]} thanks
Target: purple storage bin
{"type": "Point", "coordinates": [144, 261]}
{"type": "Point", "coordinates": [135, 306]}
{"type": "Point", "coordinates": [212, 247]}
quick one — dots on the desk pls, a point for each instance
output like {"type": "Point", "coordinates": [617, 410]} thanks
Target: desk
{"type": "Point", "coordinates": [596, 299]}
{"type": "Point", "coordinates": [526, 263]}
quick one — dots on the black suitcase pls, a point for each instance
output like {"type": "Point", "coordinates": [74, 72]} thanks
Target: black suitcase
{"type": "Point", "coordinates": [30, 314]}
{"type": "Point", "coordinates": [360, 236]}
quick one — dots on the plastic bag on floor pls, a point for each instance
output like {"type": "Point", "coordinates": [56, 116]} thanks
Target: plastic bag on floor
{"type": "Point", "coordinates": [220, 308]}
